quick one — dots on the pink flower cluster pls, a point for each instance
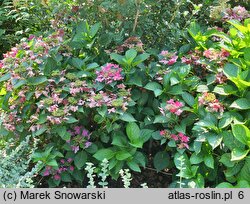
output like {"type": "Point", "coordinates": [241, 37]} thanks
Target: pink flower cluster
{"type": "Point", "coordinates": [174, 107]}
{"type": "Point", "coordinates": [220, 78]}
{"type": "Point", "coordinates": [79, 138]}
{"type": "Point", "coordinates": [180, 137]}
{"type": "Point", "coordinates": [237, 13]}
{"type": "Point", "coordinates": [65, 165]}
{"type": "Point", "coordinates": [212, 104]}
{"type": "Point", "coordinates": [213, 54]}
{"type": "Point", "coordinates": [130, 43]}
{"type": "Point", "coordinates": [168, 58]}
{"type": "Point", "coordinates": [193, 57]}
{"type": "Point", "coordinates": [112, 100]}
{"type": "Point", "coordinates": [109, 73]}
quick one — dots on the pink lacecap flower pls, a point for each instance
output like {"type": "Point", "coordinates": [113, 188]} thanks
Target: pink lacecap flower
{"type": "Point", "coordinates": [1, 65]}
{"type": "Point", "coordinates": [31, 37]}
{"type": "Point", "coordinates": [121, 86]}
{"type": "Point", "coordinates": [71, 168]}
{"type": "Point", "coordinates": [172, 60]}
{"type": "Point", "coordinates": [164, 53]}
{"type": "Point", "coordinates": [178, 112]}
{"type": "Point", "coordinates": [75, 149]}
{"type": "Point", "coordinates": [57, 177]}
{"type": "Point", "coordinates": [163, 61]}
{"type": "Point", "coordinates": [87, 144]}
{"type": "Point", "coordinates": [85, 133]}
{"type": "Point", "coordinates": [109, 73]}
{"type": "Point", "coordinates": [162, 132]}
{"type": "Point", "coordinates": [111, 110]}
{"type": "Point", "coordinates": [62, 161]}
{"type": "Point", "coordinates": [186, 60]}
{"type": "Point", "coordinates": [174, 137]}
{"type": "Point", "coordinates": [77, 130]}
{"type": "Point", "coordinates": [69, 160]}
{"type": "Point", "coordinates": [46, 173]}
{"type": "Point", "coordinates": [183, 138]}
{"type": "Point", "coordinates": [174, 107]}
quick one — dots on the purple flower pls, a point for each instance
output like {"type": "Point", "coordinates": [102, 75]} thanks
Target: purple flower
{"type": "Point", "coordinates": [75, 149]}
{"type": "Point", "coordinates": [85, 133]}
{"type": "Point", "coordinates": [87, 144]}
{"type": "Point", "coordinates": [46, 173]}
{"type": "Point", "coordinates": [57, 177]}
{"type": "Point", "coordinates": [69, 160]}
{"type": "Point", "coordinates": [77, 130]}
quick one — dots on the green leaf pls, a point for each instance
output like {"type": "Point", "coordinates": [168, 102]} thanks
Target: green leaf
{"type": "Point", "coordinates": [226, 160]}
{"type": "Point", "coordinates": [94, 29]}
{"type": "Point", "coordinates": [130, 55]}
{"type": "Point", "coordinates": [209, 161]}
{"type": "Point", "coordinates": [80, 159]}
{"type": "Point", "coordinates": [119, 140]}
{"type": "Point", "coordinates": [140, 158]}
{"type": "Point", "coordinates": [161, 160]}
{"type": "Point", "coordinates": [188, 98]}
{"type": "Point", "coordinates": [133, 132]}
{"type": "Point", "coordinates": [225, 121]}
{"type": "Point", "coordinates": [161, 119]}
{"type": "Point", "coordinates": [62, 132]}
{"type": "Point", "coordinates": [104, 153]}
{"type": "Point", "coordinates": [41, 130]}
{"type": "Point", "coordinates": [65, 176]}
{"type": "Point", "coordinates": [52, 162]}
{"type": "Point", "coordinates": [225, 185]}
{"type": "Point", "coordinates": [117, 58]}
{"type": "Point", "coordinates": [122, 155]}
{"type": "Point", "coordinates": [214, 140]}
{"type": "Point", "coordinates": [202, 88]}
{"type": "Point", "coordinates": [224, 90]}
{"type": "Point", "coordinates": [19, 83]}
{"type": "Point", "coordinates": [50, 65]}
{"type": "Point", "coordinates": [245, 171]}
{"type": "Point", "coordinates": [127, 117]}
{"type": "Point", "coordinates": [241, 133]}
{"type": "Point", "coordinates": [134, 166]}
{"type": "Point", "coordinates": [77, 63]}
{"type": "Point", "coordinates": [140, 58]}
{"type": "Point", "coordinates": [37, 80]}
{"type": "Point", "coordinates": [196, 158]}
{"type": "Point", "coordinates": [231, 70]}
{"type": "Point", "coordinates": [242, 104]}
{"type": "Point", "coordinates": [239, 154]}
{"type": "Point", "coordinates": [5, 77]}
{"type": "Point", "coordinates": [194, 29]}
{"type": "Point", "coordinates": [71, 120]}
{"type": "Point", "coordinates": [146, 134]}
{"type": "Point", "coordinates": [155, 87]}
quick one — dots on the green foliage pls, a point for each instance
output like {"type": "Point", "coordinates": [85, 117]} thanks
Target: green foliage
{"type": "Point", "coordinates": [87, 99]}
{"type": "Point", "coordinates": [18, 175]}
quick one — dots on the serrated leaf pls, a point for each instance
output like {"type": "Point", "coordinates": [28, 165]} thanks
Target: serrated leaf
{"type": "Point", "coordinates": [127, 117]}
{"type": "Point", "coordinates": [122, 155]}
{"type": "Point", "coordinates": [36, 80]}
{"type": "Point", "coordinates": [104, 153]}
{"type": "Point", "coordinates": [133, 132]}
{"type": "Point", "coordinates": [188, 98]}
{"type": "Point", "coordinates": [134, 166]}
{"type": "Point", "coordinates": [80, 159]}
